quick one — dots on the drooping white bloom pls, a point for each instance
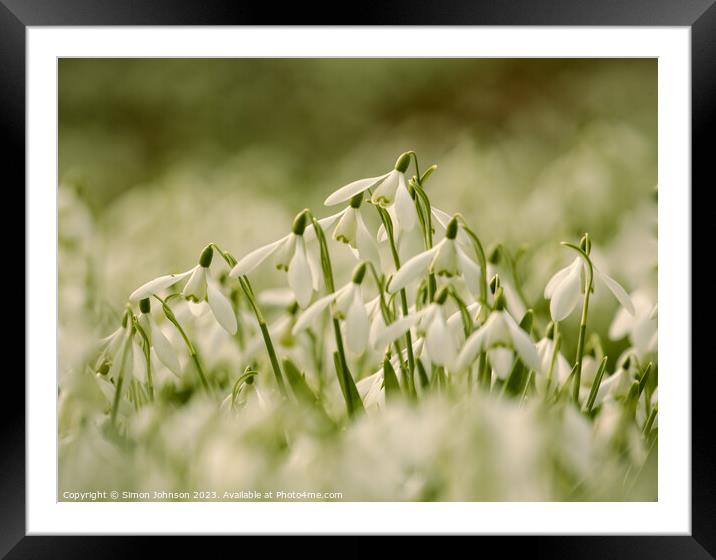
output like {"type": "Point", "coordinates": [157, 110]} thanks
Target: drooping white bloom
{"type": "Point", "coordinates": [289, 253]}
{"type": "Point", "coordinates": [501, 337]}
{"type": "Point", "coordinates": [641, 327]}
{"type": "Point", "coordinates": [349, 227]}
{"type": "Point", "coordinates": [158, 341]}
{"type": "Point", "coordinates": [389, 191]}
{"type": "Point", "coordinates": [616, 385]}
{"type": "Point", "coordinates": [200, 286]}
{"type": "Point", "coordinates": [348, 306]}
{"type": "Point", "coordinates": [447, 258]}
{"type": "Point", "coordinates": [564, 288]}
{"type": "Point", "coordinates": [561, 369]}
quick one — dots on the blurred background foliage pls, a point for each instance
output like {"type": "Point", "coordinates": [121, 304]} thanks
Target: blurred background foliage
{"type": "Point", "coordinates": [169, 154]}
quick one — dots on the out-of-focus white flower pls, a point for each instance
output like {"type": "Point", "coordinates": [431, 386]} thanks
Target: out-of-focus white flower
{"type": "Point", "coordinates": [289, 254]}
{"type": "Point", "coordinates": [164, 350]}
{"type": "Point", "coordinates": [447, 258]}
{"type": "Point", "coordinates": [564, 288]}
{"type": "Point", "coordinates": [501, 337]}
{"type": "Point", "coordinates": [561, 369]}
{"type": "Point", "coordinates": [641, 327]}
{"type": "Point", "coordinates": [201, 286]}
{"type": "Point", "coordinates": [349, 307]}
{"type": "Point", "coordinates": [616, 385]}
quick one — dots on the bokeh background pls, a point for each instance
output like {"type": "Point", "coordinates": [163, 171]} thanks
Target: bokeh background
{"type": "Point", "coordinates": [159, 157]}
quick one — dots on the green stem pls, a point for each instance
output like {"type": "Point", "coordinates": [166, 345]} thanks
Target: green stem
{"type": "Point", "coordinates": [480, 252]}
{"type": "Point", "coordinates": [120, 381]}
{"type": "Point", "coordinates": [553, 361]}
{"type": "Point", "coordinates": [192, 351]}
{"type": "Point", "coordinates": [583, 322]}
{"type": "Point", "coordinates": [147, 357]}
{"type": "Point", "coordinates": [595, 386]}
{"type": "Point", "coordinates": [388, 225]}
{"type": "Point", "coordinates": [350, 393]}
{"type": "Point", "coordinates": [249, 292]}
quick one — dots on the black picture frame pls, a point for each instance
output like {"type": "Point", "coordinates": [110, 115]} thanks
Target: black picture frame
{"type": "Point", "coordinates": [699, 15]}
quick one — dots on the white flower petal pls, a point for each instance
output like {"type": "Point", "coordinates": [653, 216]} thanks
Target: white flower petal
{"type": "Point", "coordinates": [309, 234]}
{"type": "Point", "coordinates": [501, 359]}
{"type": "Point", "coordinates": [312, 312]}
{"type": "Point", "coordinates": [470, 270]}
{"type": "Point", "coordinates": [445, 261]}
{"type": "Point", "coordinates": [619, 292]}
{"type": "Point", "coordinates": [440, 343]}
{"type": "Point", "coordinates": [254, 258]}
{"type": "Point", "coordinates": [138, 363]}
{"type": "Point", "coordinates": [367, 248]}
{"type": "Point", "coordinates": [348, 191]}
{"type": "Point", "coordinates": [559, 277]}
{"type": "Point", "coordinates": [523, 343]}
{"type": "Point", "coordinates": [300, 278]}
{"type": "Point", "coordinates": [221, 307]}
{"type": "Point", "coordinates": [345, 231]}
{"type": "Point", "coordinates": [158, 284]}
{"type": "Point", "coordinates": [404, 206]}
{"type": "Point", "coordinates": [472, 347]}
{"type": "Point", "coordinates": [164, 349]}
{"type": "Point", "coordinates": [384, 194]}
{"type": "Point", "coordinates": [385, 335]}
{"type": "Point", "coordinates": [357, 326]}
{"type": "Point", "coordinates": [621, 325]}
{"type": "Point", "coordinates": [565, 295]}
{"type": "Point", "coordinates": [412, 269]}
{"type": "Point", "coordinates": [382, 234]}
{"type": "Point", "coordinates": [195, 288]}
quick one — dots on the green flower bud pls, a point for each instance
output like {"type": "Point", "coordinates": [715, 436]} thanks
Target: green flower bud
{"type": "Point", "coordinates": [206, 255]}
{"type": "Point", "coordinates": [527, 321]}
{"type": "Point", "coordinates": [500, 301]}
{"type": "Point", "coordinates": [495, 283]}
{"type": "Point", "coordinates": [401, 165]}
{"type": "Point", "coordinates": [144, 305]}
{"type": "Point", "coordinates": [585, 244]}
{"type": "Point", "coordinates": [359, 273]}
{"type": "Point", "coordinates": [549, 331]}
{"type": "Point", "coordinates": [442, 295]}
{"type": "Point", "coordinates": [357, 200]}
{"type": "Point", "coordinates": [627, 363]}
{"type": "Point", "coordinates": [451, 228]}
{"type": "Point", "coordinates": [299, 223]}
{"type": "Point", "coordinates": [494, 255]}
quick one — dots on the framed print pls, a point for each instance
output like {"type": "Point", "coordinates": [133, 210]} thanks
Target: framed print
{"type": "Point", "coordinates": [412, 274]}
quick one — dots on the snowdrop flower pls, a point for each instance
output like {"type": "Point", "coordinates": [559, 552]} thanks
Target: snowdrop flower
{"type": "Point", "coordinates": [441, 342]}
{"type": "Point", "coordinates": [390, 190]}
{"type": "Point", "coordinates": [641, 327]}
{"type": "Point", "coordinates": [349, 227]}
{"type": "Point", "coordinates": [200, 286]}
{"type": "Point", "coordinates": [565, 286]}
{"type": "Point", "coordinates": [500, 336]}
{"type": "Point", "coordinates": [111, 346]}
{"type": "Point", "coordinates": [447, 258]}
{"type": "Point", "coordinates": [348, 306]}
{"type": "Point", "coordinates": [289, 254]}
{"type": "Point", "coordinates": [158, 341]}
{"type": "Point", "coordinates": [616, 385]}
{"type": "Point", "coordinates": [545, 349]}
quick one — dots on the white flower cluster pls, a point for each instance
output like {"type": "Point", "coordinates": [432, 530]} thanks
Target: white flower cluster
{"type": "Point", "coordinates": [422, 308]}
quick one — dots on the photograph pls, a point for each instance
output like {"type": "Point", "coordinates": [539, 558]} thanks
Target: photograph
{"type": "Point", "coordinates": [358, 280]}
